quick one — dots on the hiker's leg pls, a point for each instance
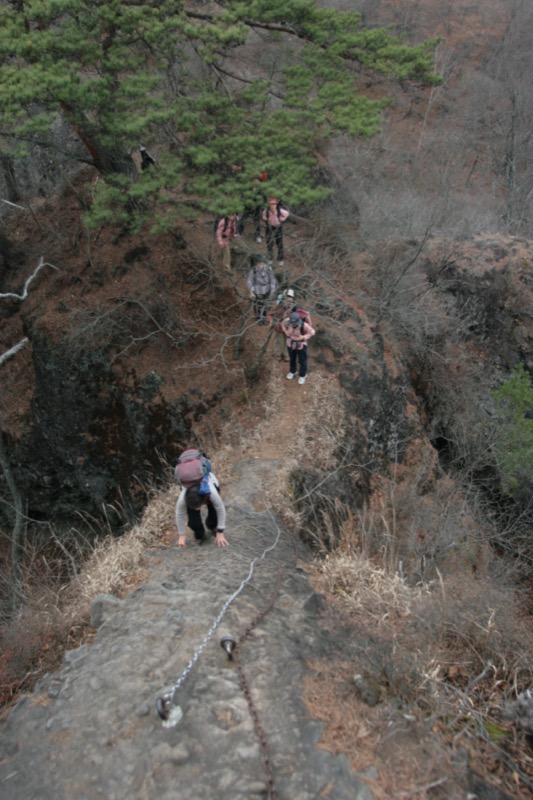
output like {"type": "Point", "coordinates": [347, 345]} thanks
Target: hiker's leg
{"type": "Point", "coordinates": [257, 307]}
{"type": "Point", "coordinates": [257, 222]}
{"type": "Point", "coordinates": [279, 241]}
{"type": "Point", "coordinates": [194, 521]}
{"type": "Point", "coordinates": [226, 257]}
{"type": "Point", "coordinates": [241, 222]}
{"type": "Point", "coordinates": [302, 360]}
{"type": "Point", "coordinates": [212, 518]}
{"type": "Point", "coordinates": [292, 359]}
{"type": "Point", "coordinates": [270, 241]}
{"type": "Point", "coordinates": [264, 307]}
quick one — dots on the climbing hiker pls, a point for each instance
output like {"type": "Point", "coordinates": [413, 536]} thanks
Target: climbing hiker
{"type": "Point", "coordinates": [274, 216]}
{"type": "Point", "coordinates": [199, 487]}
{"type": "Point", "coordinates": [285, 303]}
{"type": "Point", "coordinates": [254, 212]}
{"type": "Point", "coordinates": [147, 158]}
{"type": "Point", "coordinates": [226, 232]}
{"type": "Point", "coordinates": [261, 283]}
{"type": "Point", "coordinates": [298, 333]}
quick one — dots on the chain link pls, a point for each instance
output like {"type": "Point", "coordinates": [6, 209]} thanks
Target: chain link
{"type": "Point", "coordinates": [245, 686]}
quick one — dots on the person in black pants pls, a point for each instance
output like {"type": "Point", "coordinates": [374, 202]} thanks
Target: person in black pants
{"type": "Point", "coordinates": [189, 512]}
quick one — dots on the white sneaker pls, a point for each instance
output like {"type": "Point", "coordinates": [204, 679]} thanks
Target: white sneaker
{"type": "Point", "coordinates": [302, 380]}
{"type": "Point", "coordinates": [258, 239]}
{"type": "Point", "coordinates": [281, 263]}
{"type": "Point", "coordinates": [291, 375]}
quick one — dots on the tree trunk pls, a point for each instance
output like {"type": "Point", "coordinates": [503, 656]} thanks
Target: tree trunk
{"type": "Point", "coordinates": [17, 533]}
{"type": "Point", "coordinates": [107, 160]}
{"type": "Point", "coordinates": [8, 171]}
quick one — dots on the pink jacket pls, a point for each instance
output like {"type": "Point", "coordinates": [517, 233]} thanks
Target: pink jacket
{"type": "Point", "coordinates": [274, 217]}
{"type": "Point", "coordinates": [289, 331]}
{"type": "Point", "coordinates": [226, 230]}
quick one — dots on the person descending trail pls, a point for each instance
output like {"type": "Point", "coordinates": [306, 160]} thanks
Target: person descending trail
{"type": "Point", "coordinates": [254, 212]}
{"type": "Point", "coordinates": [298, 334]}
{"type": "Point", "coordinates": [199, 487]}
{"type": "Point", "coordinates": [274, 216]}
{"type": "Point", "coordinates": [285, 303]}
{"type": "Point", "coordinates": [261, 283]}
{"type": "Point", "coordinates": [147, 159]}
{"type": "Point", "coordinates": [226, 232]}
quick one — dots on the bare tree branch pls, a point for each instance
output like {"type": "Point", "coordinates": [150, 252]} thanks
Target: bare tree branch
{"type": "Point", "coordinates": [42, 263]}
{"type": "Point", "coordinates": [9, 203]}
{"type": "Point", "coordinates": [7, 355]}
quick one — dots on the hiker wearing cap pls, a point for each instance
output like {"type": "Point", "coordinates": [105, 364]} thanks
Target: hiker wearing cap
{"type": "Point", "coordinates": [188, 513]}
{"type": "Point", "coordinates": [285, 303]}
{"type": "Point", "coordinates": [298, 334]}
{"type": "Point", "coordinates": [274, 216]}
{"type": "Point", "coordinates": [261, 283]}
{"type": "Point", "coordinates": [226, 232]}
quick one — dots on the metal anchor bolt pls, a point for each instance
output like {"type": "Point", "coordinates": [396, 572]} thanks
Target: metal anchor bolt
{"type": "Point", "coordinates": [228, 644]}
{"type": "Point", "coordinates": [163, 705]}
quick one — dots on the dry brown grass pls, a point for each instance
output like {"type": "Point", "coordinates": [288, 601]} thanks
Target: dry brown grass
{"type": "Point", "coordinates": [55, 615]}
{"type": "Point", "coordinates": [368, 589]}
{"type": "Point", "coordinates": [443, 661]}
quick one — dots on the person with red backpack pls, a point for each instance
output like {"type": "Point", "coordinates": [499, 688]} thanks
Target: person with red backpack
{"type": "Point", "coordinates": [285, 303]}
{"type": "Point", "coordinates": [199, 487]}
{"type": "Point", "coordinates": [274, 216]}
{"type": "Point", "coordinates": [298, 333]}
{"type": "Point", "coordinates": [226, 232]}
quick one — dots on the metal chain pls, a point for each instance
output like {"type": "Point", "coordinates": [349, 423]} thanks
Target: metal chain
{"type": "Point", "coordinates": [165, 702]}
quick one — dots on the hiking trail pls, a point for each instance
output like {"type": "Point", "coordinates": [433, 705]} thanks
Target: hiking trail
{"type": "Point", "coordinates": [91, 729]}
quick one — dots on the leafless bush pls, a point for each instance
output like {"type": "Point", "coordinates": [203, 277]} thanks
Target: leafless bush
{"type": "Point", "coordinates": [129, 324]}
{"type": "Point", "coordinates": [471, 623]}
{"type": "Point", "coordinates": [369, 589]}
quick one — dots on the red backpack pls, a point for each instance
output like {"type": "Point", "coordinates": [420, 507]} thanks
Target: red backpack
{"type": "Point", "coordinates": [192, 468]}
{"type": "Point", "coordinates": [304, 316]}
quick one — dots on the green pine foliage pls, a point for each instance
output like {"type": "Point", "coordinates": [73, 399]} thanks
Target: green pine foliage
{"type": "Point", "coordinates": [220, 91]}
{"type": "Point", "coordinates": [514, 446]}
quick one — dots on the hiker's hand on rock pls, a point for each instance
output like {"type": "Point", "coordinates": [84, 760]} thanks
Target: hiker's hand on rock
{"type": "Point", "coordinates": [182, 540]}
{"type": "Point", "coordinates": [220, 540]}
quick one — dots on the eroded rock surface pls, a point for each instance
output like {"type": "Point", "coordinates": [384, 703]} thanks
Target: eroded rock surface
{"type": "Point", "coordinates": [91, 729]}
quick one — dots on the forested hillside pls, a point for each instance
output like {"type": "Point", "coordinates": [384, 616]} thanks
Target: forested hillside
{"type": "Point", "coordinates": [398, 134]}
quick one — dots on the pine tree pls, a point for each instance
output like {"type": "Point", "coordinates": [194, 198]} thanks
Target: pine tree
{"type": "Point", "coordinates": [222, 90]}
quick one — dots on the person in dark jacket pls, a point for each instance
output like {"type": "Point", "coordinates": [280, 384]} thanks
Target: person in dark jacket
{"type": "Point", "coordinates": [261, 283]}
{"type": "Point", "coordinates": [274, 216]}
{"type": "Point", "coordinates": [147, 159]}
{"type": "Point", "coordinates": [254, 212]}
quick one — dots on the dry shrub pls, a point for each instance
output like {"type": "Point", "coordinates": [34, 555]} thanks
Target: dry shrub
{"type": "Point", "coordinates": [472, 624]}
{"type": "Point", "coordinates": [34, 640]}
{"type": "Point", "coordinates": [450, 658]}
{"type": "Point", "coordinates": [368, 589]}
{"type": "Point", "coordinates": [115, 564]}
